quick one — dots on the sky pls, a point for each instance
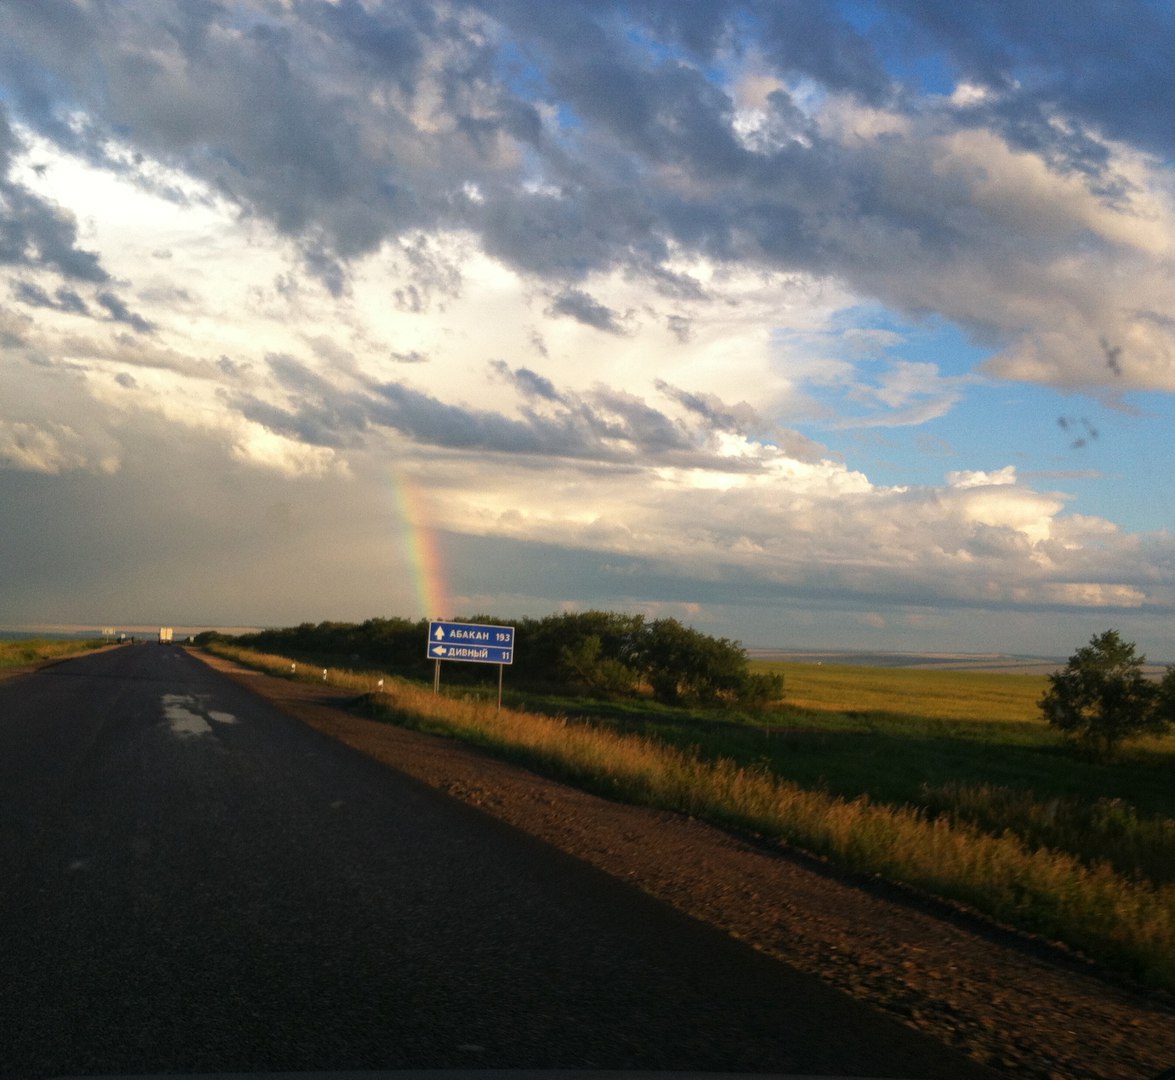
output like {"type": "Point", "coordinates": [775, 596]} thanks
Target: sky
{"type": "Point", "coordinates": [811, 324]}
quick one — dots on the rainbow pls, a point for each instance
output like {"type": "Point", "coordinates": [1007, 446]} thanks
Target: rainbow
{"type": "Point", "coordinates": [422, 549]}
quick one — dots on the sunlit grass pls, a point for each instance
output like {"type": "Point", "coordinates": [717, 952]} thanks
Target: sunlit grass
{"type": "Point", "coordinates": [949, 849]}
{"type": "Point", "coordinates": [941, 695]}
{"type": "Point", "coordinates": [24, 651]}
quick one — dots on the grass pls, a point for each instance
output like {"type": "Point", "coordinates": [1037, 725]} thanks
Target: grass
{"type": "Point", "coordinates": [1016, 851]}
{"type": "Point", "coordinates": [23, 651]}
{"type": "Point", "coordinates": [942, 695]}
{"type": "Point", "coordinates": [1008, 771]}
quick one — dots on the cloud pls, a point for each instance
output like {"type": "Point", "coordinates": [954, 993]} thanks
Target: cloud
{"type": "Point", "coordinates": [119, 312]}
{"type": "Point", "coordinates": [33, 232]}
{"type": "Point", "coordinates": [44, 448]}
{"type": "Point", "coordinates": [906, 394]}
{"type": "Point", "coordinates": [544, 421]}
{"type": "Point", "coordinates": [1016, 212]}
{"type": "Point", "coordinates": [822, 536]}
{"type": "Point", "coordinates": [612, 427]}
{"type": "Point", "coordinates": [974, 478]}
{"type": "Point", "coordinates": [528, 383]}
{"type": "Point", "coordinates": [1104, 70]}
{"type": "Point", "coordinates": [583, 308]}
{"type": "Point", "coordinates": [64, 298]}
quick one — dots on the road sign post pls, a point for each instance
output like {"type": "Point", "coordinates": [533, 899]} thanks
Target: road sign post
{"type": "Point", "coordinates": [470, 643]}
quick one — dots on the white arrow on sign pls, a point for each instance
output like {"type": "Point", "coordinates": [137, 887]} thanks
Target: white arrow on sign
{"type": "Point", "coordinates": [440, 634]}
{"type": "Point", "coordinates": [439, 650]}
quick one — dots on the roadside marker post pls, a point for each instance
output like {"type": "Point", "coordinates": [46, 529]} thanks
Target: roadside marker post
{"type": "Point", "coordinates": [470, 643]}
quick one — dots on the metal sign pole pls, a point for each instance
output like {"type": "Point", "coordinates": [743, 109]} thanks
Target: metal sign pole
{"type": "Point", "coordinates": [436, 679]}
{"type": "Point", "coordinates": [501, 668]}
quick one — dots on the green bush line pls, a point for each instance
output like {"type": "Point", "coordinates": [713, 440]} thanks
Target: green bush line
{"type": "Point", "coordinates": [1125, 925]}
{"type": "Point", "coordinates": [597, 652]}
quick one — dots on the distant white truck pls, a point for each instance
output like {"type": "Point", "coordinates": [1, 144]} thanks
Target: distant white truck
{"type": "Point", "coordinates": [165, 635]}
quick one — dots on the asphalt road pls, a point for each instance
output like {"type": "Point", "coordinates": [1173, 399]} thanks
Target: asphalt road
{"type": "Point", "coordinates": [191, 881]}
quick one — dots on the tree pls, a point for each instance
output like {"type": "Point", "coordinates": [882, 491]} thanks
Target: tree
{"type": "Point", "coordinates": [582, 664]}
{"type": "Point", "coordinates": [1102, 696]}
{"type": "Point", "coordinates": [685, 666]}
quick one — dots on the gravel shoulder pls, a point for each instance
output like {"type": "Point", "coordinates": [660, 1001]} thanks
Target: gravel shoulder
{"type": "Point", "coordinates": [1008, 1001]}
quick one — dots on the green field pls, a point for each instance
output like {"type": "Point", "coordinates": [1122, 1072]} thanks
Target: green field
{"type": "Point", "coordinates": [968, 746]}
{"type": "Point", "coordinates": [948, 781]}
{"type": "Point", "coordinates": [974, 746]}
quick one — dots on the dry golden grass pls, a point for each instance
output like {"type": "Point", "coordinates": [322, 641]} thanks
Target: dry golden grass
{"type": "Point", "coordinates": [942, 695]}
{"type": "Point", "coordinates": [35, 650]}
{"type": "Point", "coordinates": [1125, 924]}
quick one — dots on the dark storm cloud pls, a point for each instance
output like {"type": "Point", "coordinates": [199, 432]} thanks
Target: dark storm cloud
{"type": "Point", "coordinates": [53, 35]}
{"type": "Point", "coordinates": [529, 383]}
{"type": "Point", "coordinates": [63, 299]}
{"type": "Point", "coordinates": [294, 375]}
{"type": "Point", "coordinates": [336, 424]}
{"type": "Point", "coordinates": [593, 135]}
{"type": "Point", "coordinates": [600, 425]}
{"type": "Point", "coordinates": [68, 300]}
{"type": "Point", "coordinates": [232, 368]}
{"type": "Point", "coordinates": [596, 220]}
{"type": "Point", "coordinates": [667, 113]}
{"type": "Point", "coordinates": [119, 312]}
{"type": "Point", "coordinates": [387, 45]}
{"type": "Point", "coordinates": [316, 412]}
{"type": "Point", "coordinates": [742, 420]}
{"type": "Point", "coordinates": [628, 417]}
{"type": "Point", "coordinates": [33, 295]}
{"type": "Point", "coordinates": [812, 40]}
{"type": "Point", "coordinates": [605, 426]}
{"type": "Point", "coordinates": [432, 421]}
{"type": "Point", "coordinates": [802, 38]}
{"type": "Point", "coordinates": [587, 310]}
{"type": "Point", "coordinates": [33, 232]}
{"type": "Point", "coordinates": [245, 112]}
{"type": "Point", "coordinates": [1105, 63]}
{"type": "Point", "coordinates": [241, 110]}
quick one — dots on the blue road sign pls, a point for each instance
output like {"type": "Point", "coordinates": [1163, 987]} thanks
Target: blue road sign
{"type": "Point", "coordinates": [472, 643]}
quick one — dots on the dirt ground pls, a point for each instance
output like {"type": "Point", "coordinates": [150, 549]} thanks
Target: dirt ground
{"type": "Point", "coordinates": [1017, 1004]}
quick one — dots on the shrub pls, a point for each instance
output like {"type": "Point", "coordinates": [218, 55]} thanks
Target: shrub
{"type": "Point", "coordinates": [1102, 696]}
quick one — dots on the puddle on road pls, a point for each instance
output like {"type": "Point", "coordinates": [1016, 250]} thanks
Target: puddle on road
{"type": "Point", "coordinates": [186, 716]}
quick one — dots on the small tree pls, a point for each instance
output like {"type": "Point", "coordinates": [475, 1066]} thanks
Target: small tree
{"type": "Point", "coordinates": [1102, 697]}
